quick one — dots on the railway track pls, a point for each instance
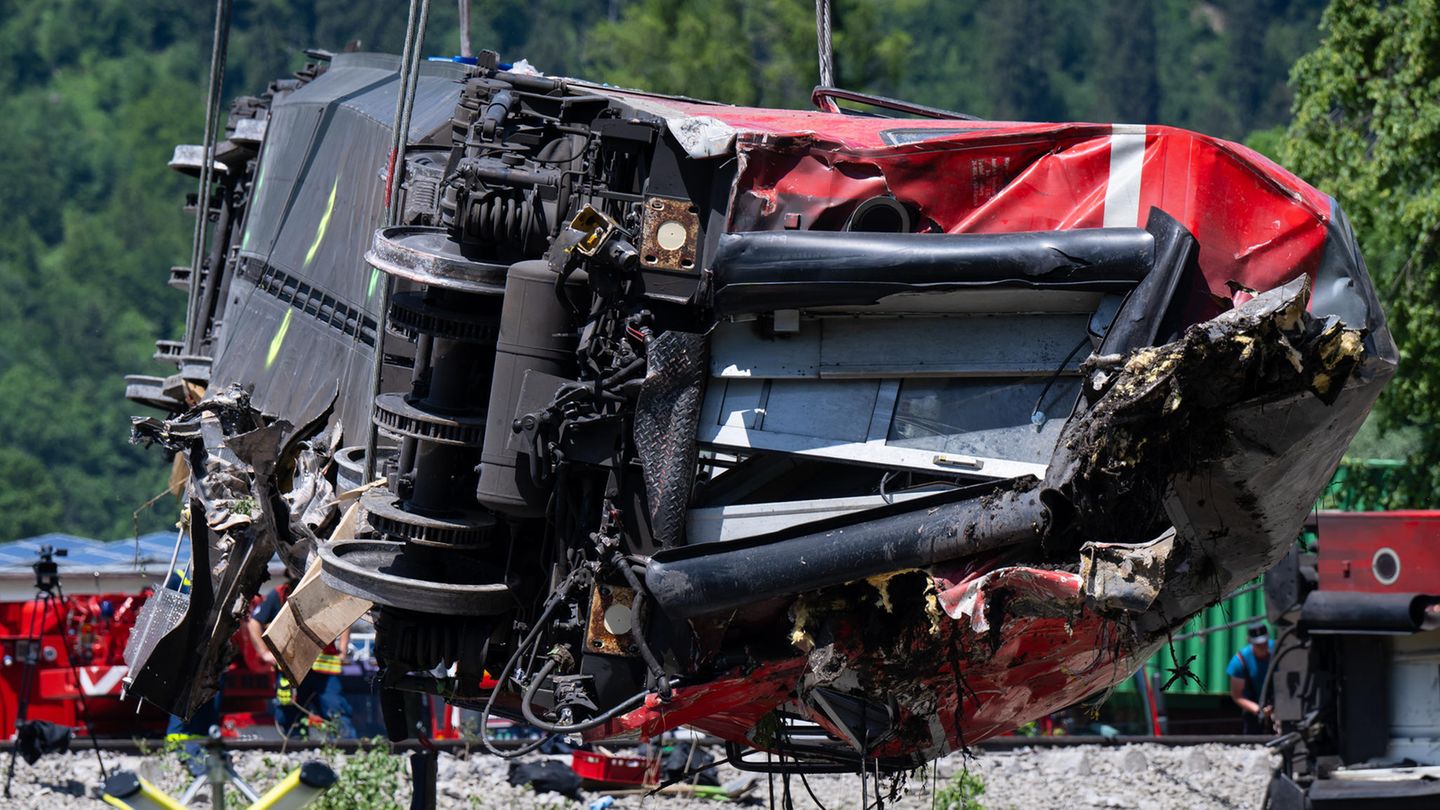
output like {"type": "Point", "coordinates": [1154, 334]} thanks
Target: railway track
{"type": "Point", "coordinates": [130, 745]}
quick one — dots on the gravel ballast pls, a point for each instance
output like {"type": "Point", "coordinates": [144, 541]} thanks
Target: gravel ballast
{"type": "Point", "coordinates": [1146, 777]}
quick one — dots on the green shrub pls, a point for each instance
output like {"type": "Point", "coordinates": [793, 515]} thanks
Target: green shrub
{"type": "Point", "coordinates": [962, 792]}
{"type": "Point", "coordinates": [372, 779]}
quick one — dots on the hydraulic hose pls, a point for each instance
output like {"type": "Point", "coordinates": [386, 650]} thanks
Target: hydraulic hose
{"type": "Point", "coordinates": [529, 641]}
{"type": "Point", "coordinates": [598, 720]}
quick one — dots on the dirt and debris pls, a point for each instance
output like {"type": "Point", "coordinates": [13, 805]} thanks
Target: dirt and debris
{"type": "Point", "coordinates": [1160, 411]}
{"type": "Point", "coordinates": [1108, 548]}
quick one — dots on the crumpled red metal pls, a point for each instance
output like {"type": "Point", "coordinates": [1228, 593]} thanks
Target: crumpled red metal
{"type": "Point", "coordinates": [1258, 227]}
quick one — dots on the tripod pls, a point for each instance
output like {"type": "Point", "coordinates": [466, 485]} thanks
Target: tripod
{"type": "Point", "coordinates": [51, 597]}
{"type": "Point", "coordinates": [128, 790]}
{"type": "Point", "coordinates": [218, 773]}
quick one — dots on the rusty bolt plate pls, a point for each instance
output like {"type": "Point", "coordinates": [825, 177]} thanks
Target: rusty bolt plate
{"type": "Point", "coordinates": [671, 235]}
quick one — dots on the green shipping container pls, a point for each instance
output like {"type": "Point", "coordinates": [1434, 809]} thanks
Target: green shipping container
{"type": "Point", "coordinates": [1212, 650]}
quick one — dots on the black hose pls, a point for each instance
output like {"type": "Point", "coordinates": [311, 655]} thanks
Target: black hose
{"type": "Point", "coordinates": [598, 720]}
{"type": "Point", "coordinates": [710, 578]}
{"type": "Point", "coordinates": [485, 726]}
{"type": "Point", "coordinates": [555, 599]}
{"type": "Point", "coordinates": [637, 632]}
{"type": "Point", "coordinates": [1275, 664]}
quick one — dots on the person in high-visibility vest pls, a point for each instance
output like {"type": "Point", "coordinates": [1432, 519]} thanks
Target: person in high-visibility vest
{"type": "Point", "coordinates": [321, 693]}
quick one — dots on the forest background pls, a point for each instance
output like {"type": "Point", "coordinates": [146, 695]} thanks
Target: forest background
{"type": "Point", "coordinates": [94, 94]}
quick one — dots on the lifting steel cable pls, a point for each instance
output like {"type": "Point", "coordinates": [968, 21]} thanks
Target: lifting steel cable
{"type": "Point", "coordinates": [404, 105]}
{"type": "Point", "coordinates": [465, 29]}
{"type": "Point", "coordinates": [397, 136]}
{"type": "Point", "coordinates": [219, 51]}
{"type": "Point", "coordinates": [823, 43]}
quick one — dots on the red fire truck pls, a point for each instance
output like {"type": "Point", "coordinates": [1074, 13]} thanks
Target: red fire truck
{"type": "Point", "coordinates": [76, 645]}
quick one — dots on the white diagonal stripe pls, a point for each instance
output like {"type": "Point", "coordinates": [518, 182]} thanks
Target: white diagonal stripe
{"type": "Point", "coordinates": [1122, 192]}
{"type": "Point", "coordinates": [107, 683]}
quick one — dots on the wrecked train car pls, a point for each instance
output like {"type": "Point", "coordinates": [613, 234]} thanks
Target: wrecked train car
{"type": "Point", "coordinates": [848, 437]}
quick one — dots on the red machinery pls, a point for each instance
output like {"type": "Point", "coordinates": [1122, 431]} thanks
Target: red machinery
{"type": "Point", "coordinates": [90, 632]}
{"type": "Point", "coordinates": [1380, 552]}
{"type": "Point", "coordinates": [1353, 675]}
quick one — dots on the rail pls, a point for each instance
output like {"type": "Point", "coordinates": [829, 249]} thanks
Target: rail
{"type": "Point", "coordinates": [132, 745]}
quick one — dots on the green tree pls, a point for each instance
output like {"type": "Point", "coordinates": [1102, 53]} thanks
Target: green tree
{"type": "Point", "coordinates": [1367, 130]}
{"type": "Point", "coordinates": [29, 498]}
{"type": "Point", "coordinates": [1127, 83]}
{"type": "Point", "coordinates": [1020, 71]}
{"type": "Point", "coordinates": [751, 52]}
{"type": "Point", "coordinates": [95, 93]}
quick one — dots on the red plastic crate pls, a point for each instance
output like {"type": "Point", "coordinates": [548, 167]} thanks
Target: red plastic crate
{"type": "Point", "coordinates": [602, 769]}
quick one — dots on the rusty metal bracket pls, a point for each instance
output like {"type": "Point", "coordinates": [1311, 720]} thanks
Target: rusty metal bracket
{"type": "Point", "coordinates": [670, 235]}
{"type": "Point", "coordinates": [611, 617]}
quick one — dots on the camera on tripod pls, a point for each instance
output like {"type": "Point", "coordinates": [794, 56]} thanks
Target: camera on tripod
{"type": "Point", "coordinates": [47, 571]}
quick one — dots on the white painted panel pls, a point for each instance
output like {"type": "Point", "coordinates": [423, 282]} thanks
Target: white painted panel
{"type": "Point", "coordinates": [1415, 698]}
{"type": "Point", "coordinates": [820, 408]}
{"type": "Point", "coordinates": [742, 350]}
{"type": "Point", "coordinates": [742, 402]}
{"type": "Point", "coordinates": [980, 345]}
{"type": "Point", "coordinates": [714, 524]}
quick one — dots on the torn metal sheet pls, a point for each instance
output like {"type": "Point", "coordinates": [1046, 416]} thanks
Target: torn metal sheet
{"type": "Point", "coordinates": [1120, 576]}
{"type": "Point", "coordinates": [1015, 641]}
{"type": "Point", "coordinates": [311, 500]}
{"type": "Point", "coordinates": [702, 136]}
{"type": "Point", "coordinates": [237, 521]}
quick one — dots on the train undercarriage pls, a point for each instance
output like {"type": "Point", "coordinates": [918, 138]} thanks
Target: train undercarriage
{"type": "Point", "coordinates": [846, 437]}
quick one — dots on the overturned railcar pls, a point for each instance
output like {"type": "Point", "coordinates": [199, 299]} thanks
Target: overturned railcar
{"type": "Point", "coordinates": [848, 436]}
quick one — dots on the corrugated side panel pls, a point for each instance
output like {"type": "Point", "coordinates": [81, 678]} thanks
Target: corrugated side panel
{"type": "Point", "coordinates": [1367, 485]}
{"type": "Point", "coordinates": [1212, 650]}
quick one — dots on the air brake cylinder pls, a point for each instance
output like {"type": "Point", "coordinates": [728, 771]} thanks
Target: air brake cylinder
{"type": "Point", "coordinates": [534, 354]}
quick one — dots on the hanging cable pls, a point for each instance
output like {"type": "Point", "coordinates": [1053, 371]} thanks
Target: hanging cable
{"type": "Point", "coordinates": [822, 35]}
{"type": "Point", "coordinates": [1038, 417]}
{"type": "Point", "coordinates": [465, 28]}
{"type": "Point", "coordinates": [556, 597]}
{"type": "Point", "coordinates": [813, 798]}
{"type": "Point", "coordinates": [411, 84]}
{"type": "Point", "coordinates": [219, 50]}
{"type": "Point", "coordinates": [400, 136]}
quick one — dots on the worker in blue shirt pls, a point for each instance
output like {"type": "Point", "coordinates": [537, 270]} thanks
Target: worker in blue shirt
{"type": "Point", "coordinates": [1247, 676]}
{"type": "Point", "coordinates": [321, 695]}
